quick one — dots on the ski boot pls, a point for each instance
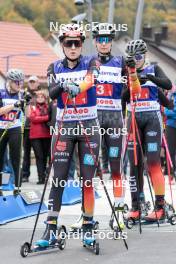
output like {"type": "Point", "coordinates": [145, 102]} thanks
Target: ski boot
{"type": "Point", "coordinates": [52, 237]}
{"type": "Point", "coordinates": [158, 214]}
{"type": "Point", "coordinates": [132, 217]}
{"type": "Point", "coordinates": [119, 210]}
{"type": "Point", "coordinates": [163, 213]}
{"type": "Point", "coordinates": [89, 239]}
{"type": "Point", "coordinates": [76, 227]}
{"type": "Point", "coordinates": [118, 229]}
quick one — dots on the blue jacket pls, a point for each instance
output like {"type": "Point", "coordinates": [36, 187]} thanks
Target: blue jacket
{"type": "Point", "coordinates": [171, 114]}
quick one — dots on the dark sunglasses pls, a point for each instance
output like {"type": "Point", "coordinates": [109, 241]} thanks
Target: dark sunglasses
{"type": "Point", "coordinates": [103, 39]}
{"type": "Point", "coordinates": [70, 43]}
{"type": "Point", "coordinates": [139, 57]}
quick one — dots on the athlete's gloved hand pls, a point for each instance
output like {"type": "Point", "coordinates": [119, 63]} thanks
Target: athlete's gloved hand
{"type": "Point", "coordinates": [19, 104]}
{"type": "Point", "coordinates": [150, 77]}
{"type": "Point", "coordinates": [95, 72]}
{"type": "Point", "coordinates": [27, 97]}
{"type": "Point", "coordinates": [130, 62]}
{"type": "Point", "coordinates": [143, 78]}
{"type": "Point", "coordinates": [71, 88]}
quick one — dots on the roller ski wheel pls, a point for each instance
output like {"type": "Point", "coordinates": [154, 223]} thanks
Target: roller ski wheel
{"type": "Point", "coordinates": [95, 226]}
{"type": "Point", "coordinates": [116, 233]}
{"type": "Point", "coordinates": [126, 209]}
{"type": "Point", "coordinates": [111, 223]}
{"type": "Point", "coordinates": [89, 240]}
{"type": "Point", "coordinates": [96, 248]}
{"type": "Point", "coordinates": [130, 222]}
{"type": "Point", "coordinates": [62, 237]}
{"type": "Point", "coordinates": [25, 250]}
{"type": "Point", "coordinates": [148, 205]}
{"type": "Point", "coordinates": [172, 220]}
{"type": "Point", "coordinates": [169, 208]}
{"type": "Point", "coordinates": [93, 245]}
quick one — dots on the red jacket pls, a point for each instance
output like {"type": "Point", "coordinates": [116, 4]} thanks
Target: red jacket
{"type": "Point", "coordinates": [38, 120]}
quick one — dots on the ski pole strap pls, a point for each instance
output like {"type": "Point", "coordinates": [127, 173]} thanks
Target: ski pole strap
{"type": "Point", "coordinates": [50, 222]}
{"type": "Point", "coordinates": [86, 222]}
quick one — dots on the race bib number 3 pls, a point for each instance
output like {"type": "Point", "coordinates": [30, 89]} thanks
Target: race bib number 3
{"type": "Point", "coordinates": [104, 89]}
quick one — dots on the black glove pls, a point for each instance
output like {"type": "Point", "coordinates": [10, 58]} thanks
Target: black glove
{"type": "Point", "coordinates": [143, 78]}
{"type": "Point", "coordinates": [71, 88]}
{"type": "Point", "coordinates": [130, 62]}
{"type": "Point", "coordinates": [150, 76]}
{"type": "Point", "coordinates": [27, 97]}
{"type": "Point", "coordinates": [19, 104]}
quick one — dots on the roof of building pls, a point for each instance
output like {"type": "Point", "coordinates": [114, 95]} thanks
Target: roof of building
{"type": "Point", "coordinates": [19, 39]}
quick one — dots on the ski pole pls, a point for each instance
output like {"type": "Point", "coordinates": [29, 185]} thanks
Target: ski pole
{"type": "Point", "coordinates": [48, 173]}
{"type": "Point", "coordinates": [146, 168]}
{"type": "Point", "coordinates": [169, 165]}
{"type": "Point", "coordinates": [133, 120]}
{"type": "Point", "coordinates": [96, 163]}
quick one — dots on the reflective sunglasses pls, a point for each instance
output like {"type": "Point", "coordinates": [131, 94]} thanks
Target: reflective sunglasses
{"type": "Point", "coordinates": [70, 43]}
{"type": "Point", "coordinates": [103, 40]}
{"type": "Point", "coordinates": [138, 57]}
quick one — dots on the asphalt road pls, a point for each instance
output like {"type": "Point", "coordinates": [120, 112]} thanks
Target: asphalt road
{"type": "Point", "coordinates": [153, 246]}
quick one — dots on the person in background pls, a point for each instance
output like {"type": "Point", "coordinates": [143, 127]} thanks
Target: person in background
{"type": "Point", "coordinates": [11, 105]}
{"type": "Point", "coordinates": [33, 86]}
{"type": "Point", "coordinates": [149, 78]}
{"type": "Point", "coordinates": [39, 133]}
{"type": "Point", "coordinates": [171, 131]}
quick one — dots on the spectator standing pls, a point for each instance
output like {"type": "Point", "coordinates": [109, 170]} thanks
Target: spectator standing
{"type": "Point", "coordinates": [33, 86]}
{"type": "Point", "coordinates": [40, 133]}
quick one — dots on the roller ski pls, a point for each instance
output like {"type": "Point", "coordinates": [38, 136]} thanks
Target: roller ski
{"type": "Point", "coordinates": [76, 227]}
{"type": "Point", "coordinates": [133, 216]}
{"type": "Point", "coordinates": [120, 211]}
{"type": "Point", "coordinates": [88, 237]}
{"type": "Point", "coordinates": [164, 214]}
{"type": "Point", "coordinates": [53, 237]}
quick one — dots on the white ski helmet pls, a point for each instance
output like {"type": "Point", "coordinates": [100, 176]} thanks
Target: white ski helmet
{"type": "Point", "coordinates": [71, 30]}
{"type": "Point", "coordinates": [103, 29]}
